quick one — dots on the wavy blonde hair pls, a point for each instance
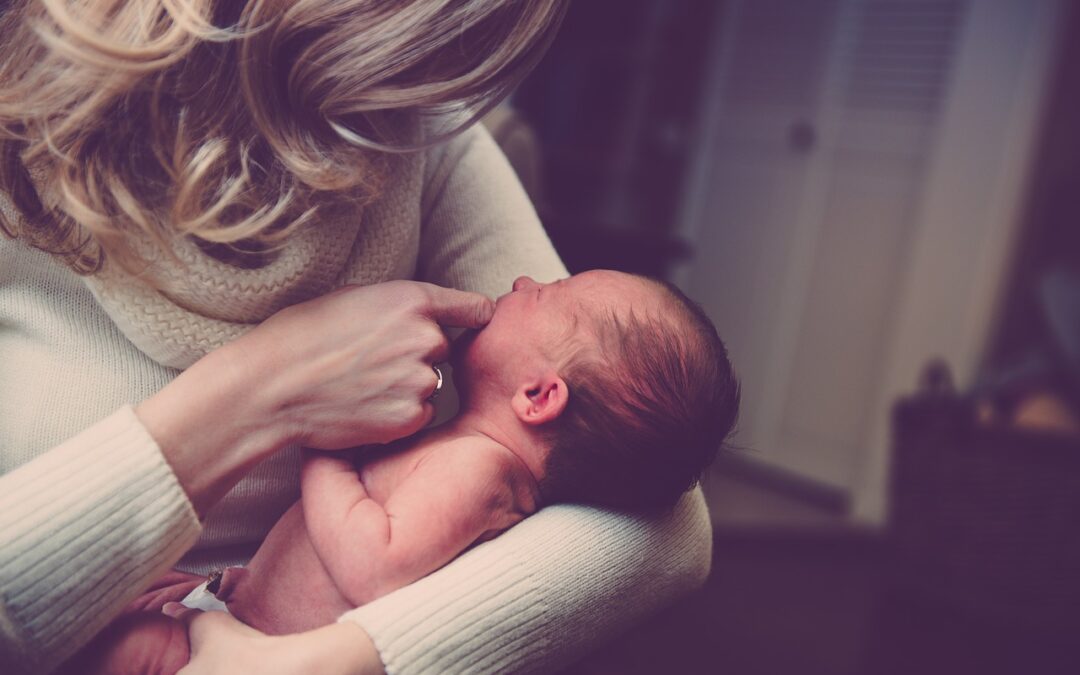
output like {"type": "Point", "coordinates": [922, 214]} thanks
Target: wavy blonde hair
{"type": "Point", "coordinates": [234, 123]}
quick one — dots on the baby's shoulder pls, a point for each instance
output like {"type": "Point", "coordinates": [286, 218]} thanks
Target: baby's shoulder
{"type": "Point", "coordinates": [465, 457]}
{"type": "Point", "coordinates": [511, 484]}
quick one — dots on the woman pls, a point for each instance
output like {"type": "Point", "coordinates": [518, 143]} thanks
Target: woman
{"type": "Point", "coordinates": [230, 196]}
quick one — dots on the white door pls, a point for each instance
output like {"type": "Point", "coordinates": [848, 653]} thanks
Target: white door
{"type": "Point", "coordinates": [814, 208]}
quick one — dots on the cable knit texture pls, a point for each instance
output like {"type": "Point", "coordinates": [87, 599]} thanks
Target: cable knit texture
{"type": "Point", "coordinates": [90, 512]}
{"type": "Point", "coordinates": [207, 303]}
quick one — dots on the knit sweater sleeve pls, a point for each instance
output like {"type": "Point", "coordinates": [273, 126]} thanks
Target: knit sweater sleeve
{"type": "Point", "coordinates": [541, 595]}
{"type": "Point", "coordinates": [83, 528]}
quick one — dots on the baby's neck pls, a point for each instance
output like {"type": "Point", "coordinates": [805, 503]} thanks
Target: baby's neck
{"type": "Point", "coordinates": [475, 424]}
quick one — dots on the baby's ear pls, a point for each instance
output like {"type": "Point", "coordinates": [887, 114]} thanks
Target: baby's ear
{"type": "Point", "coordinates": [540, 400]}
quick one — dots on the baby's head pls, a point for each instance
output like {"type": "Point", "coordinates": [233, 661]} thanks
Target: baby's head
{"type": "Point", "coordinates": [621, 380]}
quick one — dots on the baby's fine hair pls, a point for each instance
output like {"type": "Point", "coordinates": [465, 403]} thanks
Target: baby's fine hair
{"type": "Point", "coordinates": [648, 409]}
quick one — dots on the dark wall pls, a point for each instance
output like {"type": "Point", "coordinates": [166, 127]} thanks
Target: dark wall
{"type": "Point", "coordinates": [1050, 231]}
{"type": "Point", "coordinates": [615, 103]}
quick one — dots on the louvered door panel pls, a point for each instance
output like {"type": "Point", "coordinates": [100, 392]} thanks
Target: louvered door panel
{"type": "Point", "coordinates": [826, 122]}
{"type": "Point", "coordinates": [896, 58]}
{"type": "Point", "coordinates": [777, 56]}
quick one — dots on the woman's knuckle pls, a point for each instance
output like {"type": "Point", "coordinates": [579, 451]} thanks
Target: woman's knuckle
{"type": "Point", "coordinates": [423, 380]}
{"type": "Point", "coordinates": [412, 297]}
{"type": "Point", "coordinates": [434, 338]}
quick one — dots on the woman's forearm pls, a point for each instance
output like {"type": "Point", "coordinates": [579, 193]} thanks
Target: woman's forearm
{"type": "Point", "coordinates": [83, 527]}
{"type": "Point", "coordinates": [338, 649]}
{"type": "Point", "coordinates": [542, 594]}
{"type": "Point", "coordinates": [213, 423]}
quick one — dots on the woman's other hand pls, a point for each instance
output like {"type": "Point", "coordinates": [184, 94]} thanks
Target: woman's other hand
{"type": "Point", "coordinates": [221, 645]}
{"type": "Point", "coordinates": [349, 368]}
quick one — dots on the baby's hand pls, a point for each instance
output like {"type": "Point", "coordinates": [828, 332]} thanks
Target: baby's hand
{"type": "Point", "coordinates": [322, 470]}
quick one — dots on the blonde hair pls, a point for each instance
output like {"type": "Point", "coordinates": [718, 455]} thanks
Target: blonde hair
{"type": "Point", "coordinates": [234, 123]}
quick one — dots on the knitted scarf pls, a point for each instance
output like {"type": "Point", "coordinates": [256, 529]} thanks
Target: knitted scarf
{"type": "Point", "coordinates": [203, 303]}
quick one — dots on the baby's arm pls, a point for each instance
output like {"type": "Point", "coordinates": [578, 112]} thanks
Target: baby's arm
{"type": "Point", "coordinates": [449, 501]}
{"type": "Point", "coordinates": [331, 490]}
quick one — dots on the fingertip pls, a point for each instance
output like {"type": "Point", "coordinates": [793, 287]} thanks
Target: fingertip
{"type": "Point", "coordinates": [461, 309]}
{"type": "Point", "coordinates": [482, 310]}
{"type": "Point", "coordinates": [174, 610]}
{"type": "Point", "coordinates": [486, 312]}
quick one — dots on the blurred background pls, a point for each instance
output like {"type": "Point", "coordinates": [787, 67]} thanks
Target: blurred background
{"type": "Point", "coordinates": [876, 202]}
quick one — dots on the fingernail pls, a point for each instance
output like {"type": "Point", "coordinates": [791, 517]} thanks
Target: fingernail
{"type": "Point", "coordinates": [172, 609]}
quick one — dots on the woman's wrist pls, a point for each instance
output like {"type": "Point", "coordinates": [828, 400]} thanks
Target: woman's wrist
{"type": "Point", "coordinates": [213, 423]}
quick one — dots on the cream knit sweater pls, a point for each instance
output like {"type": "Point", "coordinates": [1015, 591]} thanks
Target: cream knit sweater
{"type": "Point", "coordinates": [90, 512]}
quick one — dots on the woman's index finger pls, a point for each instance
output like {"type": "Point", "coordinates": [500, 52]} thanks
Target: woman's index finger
{"type": "Point", "coordinates": [459, 309]}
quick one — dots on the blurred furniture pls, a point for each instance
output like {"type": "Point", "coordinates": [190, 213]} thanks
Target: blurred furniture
{"type": "Point", "coordinates": [984, 556]}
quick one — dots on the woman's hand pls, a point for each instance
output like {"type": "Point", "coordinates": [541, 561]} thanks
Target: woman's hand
{"type": "Point", "coordinates": [221, 645]}
{"type": "Point", "coordinates": [349, 368]}
{"type": "Point", "coordinates": [355, 366]}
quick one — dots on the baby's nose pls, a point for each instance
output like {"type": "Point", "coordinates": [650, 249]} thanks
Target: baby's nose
{"type": "Point", "coordinates": [522, 283]}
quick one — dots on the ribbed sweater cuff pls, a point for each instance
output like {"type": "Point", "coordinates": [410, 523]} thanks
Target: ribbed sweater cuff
{"type": "Point", "coordinates": [83, 528]}
{"type": "Point", "coordinates": [542, 594]}
{"type": "Point", "coordinates": [419, 629]}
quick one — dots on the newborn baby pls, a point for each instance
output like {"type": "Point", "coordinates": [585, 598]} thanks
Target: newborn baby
{"type": "Point", "coordinates": [604, 388]}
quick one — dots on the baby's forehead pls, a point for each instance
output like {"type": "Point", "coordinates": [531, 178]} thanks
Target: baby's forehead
{"type": "Point", "coordinates": [598, 307]}
{"type": "Point", "coordinates": [605, 292]}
